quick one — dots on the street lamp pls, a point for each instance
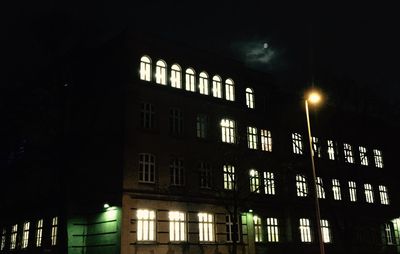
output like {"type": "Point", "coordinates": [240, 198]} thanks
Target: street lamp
{"type": "Point", "coordinates": [314, 98]}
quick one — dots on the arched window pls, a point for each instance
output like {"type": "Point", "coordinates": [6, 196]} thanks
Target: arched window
{"type": "Point", "coordinates": [145, 68]}
{"type": "Point", "coordinates": [161, 72]}
{"type": "Point", "coordinates": [216, 87]}
{"type": "Point", "coordinates": [176, 76]}
{"type": "Point", "coordinates": [249, 98]}
{"type": "Point", "coordinates": [203, 83]}
{"type": "Point", "coordinates": [190, 85]}
{"type": "Point", "coordinates": [229, 90]}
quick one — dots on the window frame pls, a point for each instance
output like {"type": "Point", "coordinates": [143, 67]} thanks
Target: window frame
{"type": "Point", "coordinates": [176, 76]}
{"type": "Point", "coordinates": [147, 162]}
{"type": "Point", "coordinates": [146, 233]}
{"type": "Point", "coordinates": [250, 100]}
{"type": "Point", "coordinates": [161, 72]}
{"type": "Point", "coordinates": [145, 68]}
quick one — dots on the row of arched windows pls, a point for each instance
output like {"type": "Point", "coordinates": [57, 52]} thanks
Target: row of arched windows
{"type": "Point", "coordinates": [203, 87]}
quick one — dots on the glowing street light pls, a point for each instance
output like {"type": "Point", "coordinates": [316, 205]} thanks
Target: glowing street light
{"type": "Point", "coordinates": [314, 98]}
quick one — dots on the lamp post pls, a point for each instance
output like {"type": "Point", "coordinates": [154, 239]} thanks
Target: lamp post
{"type": "Point", "coordinates": [314, 98]}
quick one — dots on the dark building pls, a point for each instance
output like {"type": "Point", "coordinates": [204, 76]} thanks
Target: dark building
{"type": "Point", "coordinates": [168, 149]}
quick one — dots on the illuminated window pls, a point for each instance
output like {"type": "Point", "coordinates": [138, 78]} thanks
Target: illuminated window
{"type": "Point", "coordinates": [272, 230]}
{"type": "Point", "coordinates": [206, 227]}
{"type": "Point", "coordinates": [3, 239]}
{"type": "Point", "coordinates": [388, 234]}
{"type": "Point", "coordinates": [176, 76]}
{"type": "Point", "coordinates": [205, 175]}
{"type": "Point", "coordinates": [254, 181]}
{"type": "Point", "coordinates": [228, 131]}
{"type": "Point", "coordinates": [269, 183]}
{"type": "Point", "coordinates": [54, 226]}
{"type": "Point", "coordinates": [257, 229]}
{"type": "Point", "coordinates": [369, 194]}
{"type": "Point", "coordinates": [229, 90]}
{"type": "Point", "coordinates": [232, 229]}
{"type": "Point", "coordinates": [266, 140]}
{"type": "Point", "coordinates": [301, 186]}
{"type": "Point", "coordinates": [297, 143]}
{"type": "Point", "coordinates": [146, 220]}
{"type": "Point", "coordinates": [161, 72]}
{"type": "Point", "coordinates": [201, 126]}
{"type": "Point", "coordinates": [348, 153]}
{"type": "Point", "coordinates": [229, 177]}
{"type": "Point", "coordinates": [363, 155]}
{"type": "Point", "coordinates": [326, 231]}
{"type": "Point", "coordinates": [353, 191]}
{"type": "Point", "coordinates": [145, 68]}
{"type": "Point", "coordinates": [378, 158]}
{"type": "Point", "coordinates": [39, 233]}
{"type": "Point", "coordinates": [316, 147]}
{"type": "Point", "coordinates": [320, 188]}
{"type": "Point", "coordinates": [331, 150]}
{"type": "Point", "coordinates": [147, 115]}
{"type": "Point", "coordinates": [305, 230]}
{"type": "Point", "coordinates": [217, 87]}
{"type": "Point", "coordinates": [190, 80]}
{"type": "Point", "coordinates": [25, 235]}
{"type": "Point", "coordinates": [147, 164]}
{"type": "Point", "coordinates": [252, 137]}
{"type": "Point", "coordinates": [337, 195]}
{"type": "Point", "coordinates": [177, 172]}
{"type": "Point", "coordinates": [203, 83]}
{"type": "Point", "coordinates": [177, 226]}
{"type": "Point", "coordinates": [249, 97]}
{"type": "Point", "coordinates": [13, 242]}
{"type": "Point", "coordinates": [175, 121]}
{"type": "Point", "coordinates": [383, 195]}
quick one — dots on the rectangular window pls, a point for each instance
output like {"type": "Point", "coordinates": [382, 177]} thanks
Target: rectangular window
{"type": "Point", "coordinates": [146, 221]}
{"type": "Point", "coordinates": [266, 140]}
{"type": "Point", "coordinates": [305, 230]}
{"type": "Point", "coordinates": [337, 195]}
{"type": "Point", "coordinates": [369, 194]}
{"type": "Point", "coordinates": [54, 226]}
{"type": "Point", "coordinates": [363, 155]}
{"type": "Point", "coordinates": [3, 239]}
{"type": "Point", "coordinates": [229, 177]}
{"type": "Point", "coordinates": [272, 230]}
{"type": "Point", "coordinates": [320, 188]}
{"type": "Point", "coordinates": [252, 137]}
{"type": "Point", "coordinates": [39, 233]}
{"type": "Point", "coordinates": [147, 116]}
{"type": "Point", "coordinates": [201, 126]}
{"type": "Point", "coordinates": [175, 121]}
{"type": "Point", "coordinates": [326, 231]}
{"type": "Point", "coordinates": [388, 234]}
{"type": "Point", "coordinates": [206, 227]}
{"type": "Point", "coordinates": [228, 131]}
{"type": "Point", "coordinates": [383, 195]}
{"type": "Point", "coordinates": [257, 229]}
{"type": "Point", "coordinates": [269, 183]}
{"type": "Point", "coordinates": [378, 158]}
{"type": "Point", "coordinates": [177, 226]}
{"type": "Point", "coordinates": [254, 181]}
{"type": "Point", "coordinates": [146, 167]}
{"type": "Point", "coordinates": [348, 153]}
{"type": "Point", "coordinates": [331, 149]}
{"type": "Point", "coordinates": [353, 191]}
{"type": "Point", "coordinates": [301, 186]}
{"type": "Point", "coordinates": [177, 171]}
{"type": "Point", "coordinates": [205, 175]}
{"type": "Point", "coordinates": [25, 235]}
{"type": "Point", "coordinates": [232, 230]}
{"type": "Point", "coordinates": [14, 232]}
{"type": "Point", "coordinates": [297, 143]}
{"type": "Point", "coordinates": [316, 147]}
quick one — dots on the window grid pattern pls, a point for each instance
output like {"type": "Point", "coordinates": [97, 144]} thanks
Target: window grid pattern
{"type": "Point", "coordinates": [190, 80]}
{"type": "Point", "coordinates": [25, 235]}
{"type": "Point", "coordinates": [297, 143]}
{"type": "Point", "coordinates": [146, 220]}
{"type": "Point", "coordinates": [147, 115]}
{"type": "Point", "coordinates": [229, 90]}
{"type": "Point", "coordinates": [257, 229]}
{"type": "Point", "coordinates": [252, 137]}
{"type": "Point", "coordinates": [320, 188]}
{"type": "Point", "coordinates": [177, 171]}
{"type": "Point", "coordinates": [272, 230]}
{"type": "Point", "coordinates": [254, 181]}
{"type": "Point", "coordinates": [217, 87]}
{"type": "Point", "coordinates": [39, 233]}
{"type": "Point", "coordinates": [269, 183]}
{"type": "Point", "coordinates": [353, 191]}
{"type": "Point", "coordinates": [231, 229]}
{"type": "Point", "coordinates": [316, 147]}
{"type": "Point", "coordinates": [3, 239]}
{"type": "Point", "coordinates": [205, 175]}
{"type": "Point", "coordinates": [369, 194]}
{"type": "Point", "coordinates": [175, 121]}
{"type": "Point", "coordinates": [201, 126]}
{"type": "Point", "coordinates": [206, 227]}
{"type": "Point", "coordinates": [13, 242]}
{"type": "Point", "coordinates": [228, 131]}
{"type": "Point", "coordinates": [229, 177]}
{"type": "Point", "coordinates": [176, 76]}
{"type": "Point", "coordinates": [301, 186]}
{"type": "Point", "coordinates": [378, 158]}
{"type": "Point", "coordinates": [326, 231]}
{"type": "Point", "coordinates": [147, 164]}
{"type": "Point", "coordinates": [161, 72]}
{"type": "Point", "coordinates": [388, 234]}
{"type": "Point", "coordinates": [249, 98]}
{"type": "Point", "coordinates": [145, 68]}
{"type": "Point", "coordinates": [331, 150]}
{"type": "Point", "coordinates": [383, 195]}
{"type": "Point", "coordinates": [337, 195]}
{"type": "Point", "coordinates": [305, 230]}
{"type": "Point", "coordinates": [203, 83]}
{"type": "Point", "coordinates": [363, 155]}
{"type": "Point", "coordinates": [177, 226]}
{"type": "Point", "coordinates": [266, 140]}
{"type": "Point", "coordinates": [54, 227]}
{"type": "Point", "coordinates": [348, 153]}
